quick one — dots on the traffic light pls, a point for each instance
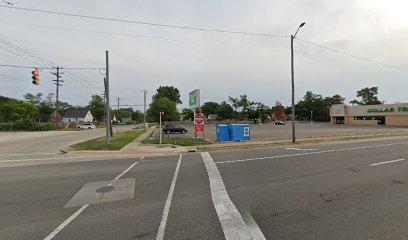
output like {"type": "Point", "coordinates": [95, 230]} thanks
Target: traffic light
{"type": "Point", "coordinates": [162, 113]}
{"type": "Point", "coordinates": [35, 77]}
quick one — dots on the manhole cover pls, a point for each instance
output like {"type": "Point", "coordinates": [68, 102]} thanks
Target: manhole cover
{"type": "Point", "coordinates": [105, 189]}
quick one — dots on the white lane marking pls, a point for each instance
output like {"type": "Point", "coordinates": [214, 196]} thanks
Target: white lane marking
{"type": "Point", "coordinates": [163, 222]}
{"type": "Point", "coordinates": [302, 149]}
{"type": "Point", "coordinates": [66, 222]}
{"type": "Point", "coordinates": [233, 225]}
{"type": "Point", "coordinates": [123, 173]}
{"type": "Point", "coordinates": [79, 211]}
{"type": "Point", "coordinates": [310, 153]}
{"type": "Point", "coordinates": [253, 228]}
{"type": "Point", "coordinates": [42, 159]}
{"type": "Point", "coordinates": [392, 161]}
{"type": "Point", "coordinates": [142, 158]}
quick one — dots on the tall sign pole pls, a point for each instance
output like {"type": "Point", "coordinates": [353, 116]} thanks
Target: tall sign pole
{"type": "Point", "coordinates": [144, 110]}
{"type": "Point", "coordinates": [108, 122]}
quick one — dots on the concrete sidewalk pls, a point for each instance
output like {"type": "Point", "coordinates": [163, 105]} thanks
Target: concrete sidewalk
{"type": "Point", "coordinates": [137, 146]}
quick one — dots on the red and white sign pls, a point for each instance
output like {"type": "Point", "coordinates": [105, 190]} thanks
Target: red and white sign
{"type": "Point", "coordinates": [199, 119]}
{"type": "Point", "coordinates": [199, 127]}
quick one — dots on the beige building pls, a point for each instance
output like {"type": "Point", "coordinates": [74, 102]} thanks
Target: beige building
{"type": "Point", "coordinates": [388, 114]}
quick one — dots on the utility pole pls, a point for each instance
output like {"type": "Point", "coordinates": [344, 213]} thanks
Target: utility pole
{"type": "Point", "coordinates": [311, 116]}
{"type": "Point", "coordinates": [104, 103]}
{"type": "Point", "coordinates": [144, 110]}
{"type": "Point", "coordinates": [108, 122]}
{"type": "Point", "coordinates": [57, 82]}
{"type": "Point", "coordinates": [292, 37]}
{"type": "Point", "coordinates": [118, 99]}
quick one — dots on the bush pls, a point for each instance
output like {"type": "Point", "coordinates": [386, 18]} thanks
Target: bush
{"type": "Point", "coordinates": [26, 125]}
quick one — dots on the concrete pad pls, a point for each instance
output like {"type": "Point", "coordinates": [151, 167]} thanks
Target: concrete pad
{"type": "Point", "coordinates": [99, 192]}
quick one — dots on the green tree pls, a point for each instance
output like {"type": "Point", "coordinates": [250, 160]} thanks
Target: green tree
{"type": "Point", "coordinates": [234, 102]}
{"type": "Point", "coordinates": [167, 106]}
{"type": "Point", "coordinates": [225, 111]}
{"type": "Point", "coordinates": [336, 99]}
{"type": "Point", "coordinates": [209, 108]}
{"type": "Point", "coordinates": [97, 106]}
{"type": "Point", "coordinates": [13, 110]}
{"type": "Point", "coordinates": [169, 92]}
{"type": "Point", "coordinates": [33, 99]}
{"type": "Point", "coordinates": [187, 114]}
{"type": "Point", "coordinates": [368, 96]}
{"type": "Point", "coordinates": [137, 116]}
{"type": "Point", "coordinates": [312, 103]}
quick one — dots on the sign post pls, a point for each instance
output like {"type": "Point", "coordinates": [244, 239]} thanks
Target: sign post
{"type": "Point", "coordinates": [199, 126]}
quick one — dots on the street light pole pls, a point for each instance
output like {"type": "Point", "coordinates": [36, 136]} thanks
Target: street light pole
{"type": "Point", "coordinates": [292, 37]}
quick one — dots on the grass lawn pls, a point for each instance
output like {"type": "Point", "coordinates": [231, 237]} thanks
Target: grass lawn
{"type": "Point", "coordinates": [176, 141]}
{"type": "Point", "coordinates": [118, 141]}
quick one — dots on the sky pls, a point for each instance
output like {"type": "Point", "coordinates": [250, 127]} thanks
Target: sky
{"type": "Point", "coordinates": [219, 64]}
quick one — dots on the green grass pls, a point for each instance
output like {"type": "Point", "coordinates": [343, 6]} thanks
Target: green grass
{"type": "Point", "coordinates": [176, 141]}
{"type": "Point", "coordinates": [118, 141]}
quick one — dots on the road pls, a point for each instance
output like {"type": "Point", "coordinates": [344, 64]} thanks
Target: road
{"type": "Point", "coordinates": [352, 190]}
{"type": "Point", "coordinates": [303, 130]}
{"type": "Point", "coordinates": [47, 142]}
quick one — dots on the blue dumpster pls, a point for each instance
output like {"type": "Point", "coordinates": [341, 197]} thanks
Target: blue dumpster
{"type": "Point", "coordinates": [223, 133]}
{"type": "Point", "coordinates": [240, 132]}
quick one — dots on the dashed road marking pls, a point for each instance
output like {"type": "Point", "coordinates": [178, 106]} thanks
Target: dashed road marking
{"type": "Point", "coordinates": [311, 153]}
{"type": "Point", "coordinates": [386, 162]}
{"type": "Point", "coordinates": [79, 211]}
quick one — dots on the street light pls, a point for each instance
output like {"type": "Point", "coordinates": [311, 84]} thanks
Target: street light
{"type": "Point", "coordinates": [292, 37]}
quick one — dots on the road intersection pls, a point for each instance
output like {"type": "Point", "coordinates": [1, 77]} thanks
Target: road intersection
{"type": "Point", "coordinates": [349, 190]}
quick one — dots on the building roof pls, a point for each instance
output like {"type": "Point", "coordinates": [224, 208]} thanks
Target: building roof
{"type": "Point", "coordinates": [74, 113]}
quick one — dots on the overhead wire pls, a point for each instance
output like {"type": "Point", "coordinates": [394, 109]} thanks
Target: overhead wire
{"type": "Point", "coordinates": [145, 23]}
{"type": "Point", "coordinates": [352, 55]}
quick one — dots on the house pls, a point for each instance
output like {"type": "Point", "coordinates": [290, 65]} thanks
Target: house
{"type": "Point", "coordinates": [75, 115]}
{"type": "Point", "coordinates": [211, 117]}
{"type": "Point", "coordinates": [55, 117]}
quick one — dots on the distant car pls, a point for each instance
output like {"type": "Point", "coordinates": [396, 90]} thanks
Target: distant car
{"type": "Point", "coordinates": [279, 123]}
{"type": "Point", "coordinates": [174, 129]}
{"type": "Point", "coordinates": [86, 126]}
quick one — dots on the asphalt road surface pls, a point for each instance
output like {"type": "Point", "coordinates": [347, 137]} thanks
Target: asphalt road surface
{"type": "Point", "coordinates": [48, 142]}
{"type": "Point", "coordinates": [303, 130]}
{"type": "Point", "coordinates": [353, 190]}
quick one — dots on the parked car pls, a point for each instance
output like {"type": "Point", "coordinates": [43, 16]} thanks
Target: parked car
{"type": "Point", "coordinates": [174, 129]}
{"type": "Point", "coordinates": [279, 123]}
{"type": "Point", "coordinates": [86, 125]}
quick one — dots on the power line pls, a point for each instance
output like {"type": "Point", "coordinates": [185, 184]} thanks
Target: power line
{"type": "Point", "coordinates": [353, 56]}
{"type": "Point", "coordinates": [146, 23]}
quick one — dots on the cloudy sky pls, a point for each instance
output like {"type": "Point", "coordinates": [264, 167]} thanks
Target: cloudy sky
{"type": "Point", "coordinates": [221, 65]}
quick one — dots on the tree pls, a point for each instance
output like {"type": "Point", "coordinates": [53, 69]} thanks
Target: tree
{"type": "Point", "coordinates": [187, 114]}
{"type": "Point", "coordinates": [225, 111]}
{"type": "Point", "coordinates": [312, 103]}
{"type": "Point", "coordinates": [368, 96]}
{"type": "Point", "coordinates": [235, 103]}
{"type": "Point", "coordinates": [279, 112]}
{"type": "Point", "coordinates": [33, 99]}
{"type": "Point", "coordinates": [163, 105]}
{"type": "Point", "coordinates": [209, 108]}
{"type": "Point", "coordinates": [336, 99]}
{"type": "Point", "coordinates": [13, 110]}
{"type": "Point", "coordinates": [97, 107]}
{"type": "Point", "coordinates": [137, 116]}
{"type": "Point", "coordinates": [169, 92]}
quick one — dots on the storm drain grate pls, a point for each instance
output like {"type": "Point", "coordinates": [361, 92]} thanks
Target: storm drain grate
{"type": "Point", "coordinates": [105, 189]}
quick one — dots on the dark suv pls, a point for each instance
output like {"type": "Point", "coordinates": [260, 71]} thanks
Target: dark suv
{"type": "Point", "coordinates": [173, 129]}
